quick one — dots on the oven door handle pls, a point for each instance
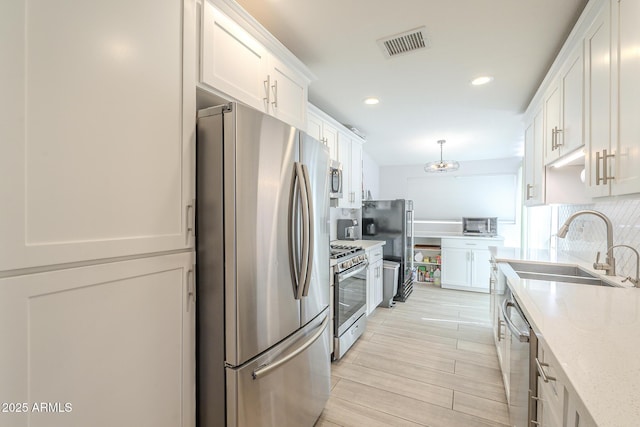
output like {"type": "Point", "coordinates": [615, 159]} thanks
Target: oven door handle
{"type": "Point", "coordinates": [522, 336]}
{"type": "Point", "coordinates": [350, 273]}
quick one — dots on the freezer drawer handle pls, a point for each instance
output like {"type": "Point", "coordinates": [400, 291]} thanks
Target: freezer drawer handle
{"type": "Point", "coordinates": [265, 369]}
{"type": "Point", "coordinates": [522, 336]}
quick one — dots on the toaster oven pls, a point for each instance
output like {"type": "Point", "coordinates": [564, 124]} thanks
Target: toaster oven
{"type": "Point", "coordinates": [486, 226]}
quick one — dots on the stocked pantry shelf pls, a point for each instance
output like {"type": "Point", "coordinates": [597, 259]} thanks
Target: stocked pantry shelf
{"type": "Point", "coordinates": [428, 263]}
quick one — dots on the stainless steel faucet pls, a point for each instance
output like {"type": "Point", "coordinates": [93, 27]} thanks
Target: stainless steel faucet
{"type": "Point", "coordinates": [609, 264]}
{"type": "Point", "coordinates": [636, 281]}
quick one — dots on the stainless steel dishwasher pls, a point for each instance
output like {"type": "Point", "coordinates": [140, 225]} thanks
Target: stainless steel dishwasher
{"type": "Point", "coordinates": [523, 375]}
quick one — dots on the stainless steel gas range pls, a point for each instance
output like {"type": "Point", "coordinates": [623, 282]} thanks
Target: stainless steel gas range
{"type": "Point", "coordinates": [350, 302]}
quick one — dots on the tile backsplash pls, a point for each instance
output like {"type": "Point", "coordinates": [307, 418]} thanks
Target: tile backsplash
{"type": "Point", "coordinates": [587, 233]}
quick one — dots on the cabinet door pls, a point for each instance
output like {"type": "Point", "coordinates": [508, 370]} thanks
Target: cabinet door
{"type": "Point", "coordinates": [115, 341]}
{"type": "Point", "coordinates": [570, 136]}
{"type": "Point", "coordinates": [551, 124]}
{"type": "Point", "coordinates": [356, 174]}
{"type": "Point", "coordinates": [97, 132]}
{"type": "Point", "coordinates": [330, 135]}
{"type": "Point", "coordinates": [597, 102]}
{"type": "Point", "coordinates": [287, 94]}
{"type": "Point", "coordinates": [456, 267]}
{"type": "Point", "coordinates": [627, 153]}
{"type": "Point", "coordinates": [314, 126]}
{"type": "Point", "coordinates": [377, 283]}
{"type": "Point", "coordinates": [371, 277]}
{"type": "Point", "coordinates": [481, 269]}
{"type": "Point", "coordinates": [534, 162]}
{"type": "Point", "coordinates": [344, 157]}
{"type": "Point", "coordinates": [232, 61]}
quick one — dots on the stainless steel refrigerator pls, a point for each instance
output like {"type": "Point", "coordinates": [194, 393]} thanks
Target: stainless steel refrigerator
{"type": "Point", "coordinates": [392, 222]}
{"type": "Point", "coordinates": [262, 241]}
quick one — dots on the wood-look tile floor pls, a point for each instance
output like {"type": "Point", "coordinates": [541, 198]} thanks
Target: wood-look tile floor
{"type": "Point", "coordinates": [427, 362]}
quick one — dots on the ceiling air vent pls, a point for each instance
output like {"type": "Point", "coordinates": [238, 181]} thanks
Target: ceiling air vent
{"type": "Point", "coordinates": [402, 43]}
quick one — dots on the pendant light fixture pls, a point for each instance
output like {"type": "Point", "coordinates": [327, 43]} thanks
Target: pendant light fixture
{"type": "Point", "coordinates": [442, 165]}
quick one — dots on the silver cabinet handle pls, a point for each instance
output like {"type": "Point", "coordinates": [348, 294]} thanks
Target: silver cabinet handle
{"type": "Point", "coordinates": [265, 369]}
{"type": "Point", "coordinates": [546, 378]}
{"type": "Point", "coordinates": [605, 169]}
{"type": "Point", "coordinates": [266, 90]}
{"type": "Point", "coordinates": [274, 87]}
{"type": "Point", "coordinates": [598, 158]}
{"type": "Point", "coordinates": [555, 144]}
{"type": "Point", "coordinates": [529, 187]}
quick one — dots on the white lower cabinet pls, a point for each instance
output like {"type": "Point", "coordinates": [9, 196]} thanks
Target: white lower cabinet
{"type": "Point", "coordinates": [466, 263]}
{"type": "Point", "coordinates": [374, 278]}
{"type": "Point", "coordinates": [557, 403]}
{"type": "Point", "coordinates": [110, 344]}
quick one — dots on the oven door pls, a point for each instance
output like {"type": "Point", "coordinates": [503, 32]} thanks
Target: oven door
{"type": "Point", "coordinates": [351, 297]}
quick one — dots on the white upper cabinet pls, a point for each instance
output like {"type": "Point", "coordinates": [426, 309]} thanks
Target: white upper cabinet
{"type": "Point", "coordinates": [591, 97]}
{"type": "Point", "coordinates": [97, 131]}
{"type": "Point", "coordinates": [235, 64]}
{"type": "Point", "coordinates": [597, 103]}
{"type": "Point", "coordinates": [613, 101]}
{"type": "Point", "coordinates": [323, 130]}
{"type": "Point", "coordinates": [232, 61]}
{"type": "Point", "coordinates": [563, 132]}
{"type": "Point", "coordinates": [350, 155]}
{"type": "Point", "coordinates": [534, 169]}
{"type": "Point", "coordinates": [626, 99]}
{"type": "Point", "coordinates": [288, 94]}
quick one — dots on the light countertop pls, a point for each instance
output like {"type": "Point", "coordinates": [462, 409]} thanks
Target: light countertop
{"type": "Point", "coordinates": [593, 332]}
{"type": "Point", "coordinates": [453, 235]}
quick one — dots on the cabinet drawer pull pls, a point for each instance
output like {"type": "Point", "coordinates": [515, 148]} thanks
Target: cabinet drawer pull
{"type": "Point", "coordinates": [546, 378]}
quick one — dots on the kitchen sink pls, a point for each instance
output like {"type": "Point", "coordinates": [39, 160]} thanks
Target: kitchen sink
{"type": "Point", "coordinates": [556, 273]}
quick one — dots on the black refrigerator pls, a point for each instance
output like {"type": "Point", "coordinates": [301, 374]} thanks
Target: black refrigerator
{"type": "Point", "coordinates": [391, 221]}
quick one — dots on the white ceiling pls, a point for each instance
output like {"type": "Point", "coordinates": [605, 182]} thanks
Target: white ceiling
{"type": "Point", "coordinates": [425, 95]}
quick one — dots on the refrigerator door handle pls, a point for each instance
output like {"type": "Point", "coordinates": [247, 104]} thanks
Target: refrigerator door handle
{"type": "Point", "coordinates": [310, 228]}
{"type": "Point", "coordinates": [304, 196]}
{"type": "Point", "coordinates": [297, 269]}
{"type": "Point", "coordinates": [265, 369]}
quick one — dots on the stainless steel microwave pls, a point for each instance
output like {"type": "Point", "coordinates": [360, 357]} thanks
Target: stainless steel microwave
{"type": "Point", "coordinates": [335, 180]}
{"type": "Point", "coordinates": [487, 226]}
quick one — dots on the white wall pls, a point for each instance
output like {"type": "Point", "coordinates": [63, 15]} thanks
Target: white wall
{"type": "Point", "coordinates": [394, 179]}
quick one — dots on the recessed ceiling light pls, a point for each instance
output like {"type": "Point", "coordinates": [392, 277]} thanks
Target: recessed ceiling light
{"type": "Point", "coordinates": [372, 100]}
{"type": "Point", "coordinates": [483, 80]}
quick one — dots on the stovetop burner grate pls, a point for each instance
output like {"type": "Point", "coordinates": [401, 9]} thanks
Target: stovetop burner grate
{"type": "Point", "coordinates": [341, 251]}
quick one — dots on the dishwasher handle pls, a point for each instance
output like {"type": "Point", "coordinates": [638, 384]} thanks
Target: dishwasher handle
{"type": "Point", "coordinates": [523, 336]}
